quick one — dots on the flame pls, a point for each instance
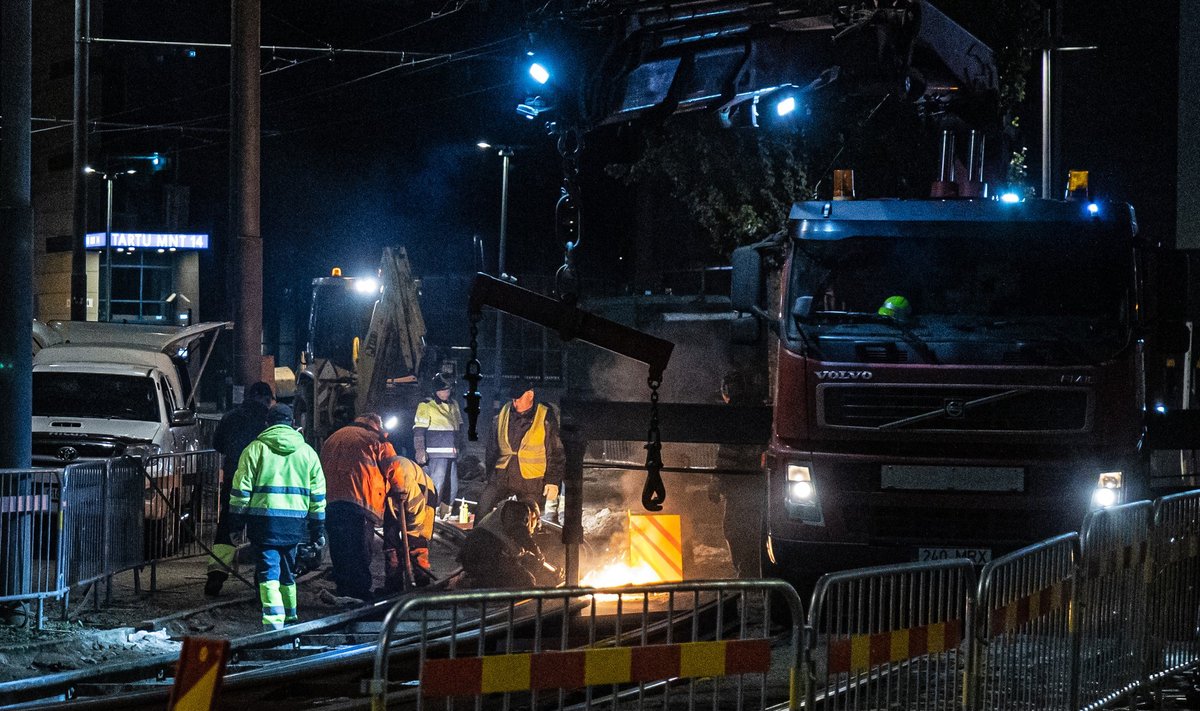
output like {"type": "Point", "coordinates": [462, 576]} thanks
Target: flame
{"type": "Point", "coordinates": [618, 574]}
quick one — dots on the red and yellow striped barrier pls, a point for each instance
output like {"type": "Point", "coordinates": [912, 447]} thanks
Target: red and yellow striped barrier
{"type": "Point", "coordinates": [474, 676]}
{"type": "Point", "coordinates": [1011, 617]}
{"type": "Point", "coordinates": [858, 653]}
{"type": "Point", "coordinates": [657, 541]}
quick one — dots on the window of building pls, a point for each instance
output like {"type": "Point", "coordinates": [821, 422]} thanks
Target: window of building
{"type": "Point", "coordinates": [140, 283]}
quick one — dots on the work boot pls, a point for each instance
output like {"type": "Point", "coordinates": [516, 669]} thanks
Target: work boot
{"type": "Point", "coordinates": [212, 588]}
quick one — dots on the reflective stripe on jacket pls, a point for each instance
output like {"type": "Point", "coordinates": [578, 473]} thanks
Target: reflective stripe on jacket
{"type": "Point", "coordinates": [531, 455]}
{"type": "Point", "coordinates": [359, 467]}
{"type": "Point", "coordinates": [441, 422]}
{"type": "Point", "coordinates": [278, 490]}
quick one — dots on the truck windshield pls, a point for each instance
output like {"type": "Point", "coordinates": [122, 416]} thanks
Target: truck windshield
{"type": "Point", "coordinates": [1065, 287]}
{"type": "Point", "coordinates": [339, 315]}
{"type": "Point", "coordinates": [97, 395]}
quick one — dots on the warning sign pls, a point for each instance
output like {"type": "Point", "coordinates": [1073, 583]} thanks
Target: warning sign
{"type": "Point", "coordinates": [655, 539]}
{"type": "Point", "coordinates": [198, 676]}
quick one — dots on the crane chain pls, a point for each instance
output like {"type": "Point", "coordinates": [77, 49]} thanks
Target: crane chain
{"type": "Point", "coordinates": [654, 493]}
{"type": "Point", "coordinates": [568, 217]}
{"type": "Point", "coordinates": [473, 376]}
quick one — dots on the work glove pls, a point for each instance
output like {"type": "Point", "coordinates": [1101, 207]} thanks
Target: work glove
{"type": "Point", "coordinates": [421, 458]}
{"type": "Point", "coordinates": [316, 535]}
{"type": "Point", "coordinates": [550, 491]}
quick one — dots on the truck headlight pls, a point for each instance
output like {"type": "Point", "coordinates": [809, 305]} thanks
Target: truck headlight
{"type": "Point", "coordinates": [1108, 490]}
{"type": "Point", "coordinates": [800, 488]}
{"type": "Point", "coordinates": [800, 498]}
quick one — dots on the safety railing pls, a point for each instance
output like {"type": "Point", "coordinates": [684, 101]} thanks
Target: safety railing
{"type": "Point", "coordinates": [1110, 601]}
{"type": "Point", "coordinates": [1174, 587]}
{"type": "Point", "coordinates": [82, 525]}
{"type": "Point", "coordinates": [1023, 648]}
{"type": "Point", "coordinates": [702, 643]}
{"type": "Point", "coordinates": [890, 637]}
{"type": "Point", "coordinates": [182, 500]}
{"type": "Point", "coordinates": [32, 559]}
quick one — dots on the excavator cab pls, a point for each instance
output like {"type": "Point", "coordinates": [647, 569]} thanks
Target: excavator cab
{"type": "Point", "coordinates": [366, 340]}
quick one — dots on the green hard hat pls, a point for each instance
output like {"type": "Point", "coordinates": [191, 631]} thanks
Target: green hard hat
{"type": "Point", "coordinates": [896, 307]}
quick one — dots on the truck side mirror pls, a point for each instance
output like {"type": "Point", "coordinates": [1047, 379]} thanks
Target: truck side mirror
{"type": "Point", "coordinates": [183, 418]}
{"type": "Point", "coordinates": [746, 281]}
{"type": "Point", "coordinates": [745, 330]}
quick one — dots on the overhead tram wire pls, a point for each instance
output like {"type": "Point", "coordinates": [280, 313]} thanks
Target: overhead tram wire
{"type": "Point", "coordinates": [225, 85]}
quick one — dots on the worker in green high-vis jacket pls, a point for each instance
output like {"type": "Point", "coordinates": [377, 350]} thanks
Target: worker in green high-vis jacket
{"type": "Point", "coordinates": [278, 493]}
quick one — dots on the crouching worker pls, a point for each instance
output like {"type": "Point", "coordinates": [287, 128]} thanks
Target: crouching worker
{"type": "Point", "coordinates": [278, 493]}
{"type": "Point", "coordinates": [407, 530]}
{"type": "Point", "coordinates": [500, 551]}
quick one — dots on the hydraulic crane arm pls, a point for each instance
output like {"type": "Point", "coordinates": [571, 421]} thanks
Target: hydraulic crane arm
{"type": "Point", "coordinates": [571, 323]}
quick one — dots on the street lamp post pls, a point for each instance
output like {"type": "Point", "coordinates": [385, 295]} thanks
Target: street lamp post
{"type": "Point", "coordinates": [109, 179]}
{"type": "Point", "coordinates": [505, 153]}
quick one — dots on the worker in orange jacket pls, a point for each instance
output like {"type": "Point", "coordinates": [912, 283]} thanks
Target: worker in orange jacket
{"type": "Point", "coordinates": [366, 479]}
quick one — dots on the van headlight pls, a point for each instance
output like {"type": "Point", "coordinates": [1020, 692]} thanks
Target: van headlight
{"type": "Point", "coordinates": [800, 498]}
{"type": "Point", "coordinates": [1108, 491]}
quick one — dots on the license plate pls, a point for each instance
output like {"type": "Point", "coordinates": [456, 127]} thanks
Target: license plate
{"type": "Point", "coordinates": [978, 556]}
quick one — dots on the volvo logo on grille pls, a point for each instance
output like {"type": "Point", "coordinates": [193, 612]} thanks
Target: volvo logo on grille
{"type": "Point", "coordinates": [845, 374]}
{"type": "Point", "coordinates": [67, 454]}
{"type": "Point", "coordinates": [955, 409]}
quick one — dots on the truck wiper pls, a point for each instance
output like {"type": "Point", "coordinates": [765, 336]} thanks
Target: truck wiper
{"type": "Point", "coordinates": [906, 333]}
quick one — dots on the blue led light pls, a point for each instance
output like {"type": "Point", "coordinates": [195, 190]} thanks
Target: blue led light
{"type": "Point", "coordinates": [785, 106]}
{"type": "Point", "coordinates": [1010, 198]}
{"type": "Point", "coordinates": [1093, 208]}
{"type": "Point", "coordinates": [1160, 408]}
{"type": "Point", "coordinates": [539, 73]}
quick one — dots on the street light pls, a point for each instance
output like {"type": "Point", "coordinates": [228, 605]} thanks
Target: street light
{"type": "Point", "coordinates": [109, 179]}
{"type": "Point", "coordinates": [505, 153]}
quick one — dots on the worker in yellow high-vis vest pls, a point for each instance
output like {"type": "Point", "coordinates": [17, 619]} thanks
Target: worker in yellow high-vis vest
{"type": "Point", "coordinates": [525, 454]}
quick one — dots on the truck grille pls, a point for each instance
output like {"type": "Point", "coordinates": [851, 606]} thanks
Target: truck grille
{"type": "Point", "coordinates": [64, 450]}
{"type": "Point", "coordinates": [962, 408]}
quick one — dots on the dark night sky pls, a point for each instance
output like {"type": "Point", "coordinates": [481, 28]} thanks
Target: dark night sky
{"type": "Point", "coordinates": [352, 163]}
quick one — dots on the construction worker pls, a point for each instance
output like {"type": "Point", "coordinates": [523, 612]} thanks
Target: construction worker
{"type": "Point", "coordinates": [408, 529]}
{"type": "Point", "coordinates": [437, 436]}
{"type": "Point", "coordinates": [364, 474]}
{"type": "Point", "coordinates": [237, 429]}
{"type": "Point", "coordinates": [499, 552]}
{"type": "Point", "coordinates": [278, 492]}
{"type": "Point", "coordinates": [525, 455]}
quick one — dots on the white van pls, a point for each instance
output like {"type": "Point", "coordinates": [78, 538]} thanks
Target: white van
{"type": "Point", "coordinates": [103, 390]}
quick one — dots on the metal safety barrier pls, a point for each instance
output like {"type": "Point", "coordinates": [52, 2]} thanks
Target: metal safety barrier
{"type": "Point", "coordinates": [1110, 601]}
{"type": "Point", "coordinates": [1023, 651]}
{"type": "Point", "coordinates": [32, 560]}
{"type": "Point", "coordinates": [182, 500]}
{"type": "Point", "coordinates": [702, 643]}
{"type": "Point", "coordinates": [1174, 587]}
{"type": "Point", "coordinates": [890, 637]}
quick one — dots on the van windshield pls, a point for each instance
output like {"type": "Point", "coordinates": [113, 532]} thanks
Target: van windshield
{"type": "Point", "coordinates": [95, 395]}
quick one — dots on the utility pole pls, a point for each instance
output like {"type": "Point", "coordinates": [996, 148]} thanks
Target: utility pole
{"type": "Point", "coordinates": [244, 186]}
{"type": "Point", "coordinates": [16, 273]}
{"type": "Point", "coordinates": [79, 158]}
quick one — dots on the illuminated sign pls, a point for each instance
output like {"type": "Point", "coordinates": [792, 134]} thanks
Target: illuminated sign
{"type": "Point", "coordinates": [147, 240]}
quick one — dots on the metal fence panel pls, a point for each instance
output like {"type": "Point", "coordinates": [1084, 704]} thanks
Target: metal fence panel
{"type": "Point", "coordinates": [1110, 601]}
{"type": "Point", "coordinates": [890, 637]}
{"type": "Point", "coordinates": [32, 560]}
{"type": "Point", "coordinates": [125, 514]}
{"type": "Point", "coordinates": [1174, 594]}
{"type": "Point", "coordinates": [1023, 647]}
{"type": "Point", "coordinates": [589, 648]}
{"type": "Point", "coordinates": [85, 493]}
{"type": "Point", "coordinates": [182, 497]}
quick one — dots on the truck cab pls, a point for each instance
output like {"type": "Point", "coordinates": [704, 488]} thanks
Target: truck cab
{"type": "Point", "coordinates": [953, 378]}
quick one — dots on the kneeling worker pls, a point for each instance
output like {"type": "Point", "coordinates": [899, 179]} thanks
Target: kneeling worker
{"type": "Point", "coordinates": [500, 552]}
{"type": "Point", "coordinates": [278, 492]}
